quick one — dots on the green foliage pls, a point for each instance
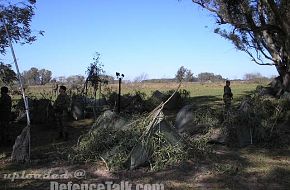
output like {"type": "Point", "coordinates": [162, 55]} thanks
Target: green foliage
{"type": "Point", "coordinates": [95, 72]}
{"type": "Point", "coordinates": [184, 74]}
{"type": "Point", "coordinates": [7, 75]}
{"type": "Point", "coordinates": [164, 153]}
{"type": "Point", "coordinates": [263, 115]}
{"type": "Point", "coordinates": [18, 18]}
{"type": "Point", "coordinates": [247, 25]}
{"type": "Point", "coordinates": [113, 145]}
{"type": "Point", "coordinates": [109, 144]}
{"type": "Point", "coordinates": [35, 76]}
{"type": "Point", "coordinates": [180, 75]}
{"type": "Point", "coordinates": [40, 109]}
{"type": "Point", "coordinates": [205, 115]}
{"type": "Point", "coordinates": [205, 77]}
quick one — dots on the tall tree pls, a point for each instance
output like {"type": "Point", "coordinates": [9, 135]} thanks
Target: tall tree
{"type": "Point", "coordinates": [261, 28]}
{"type": "Point", "coordinates": [75, 80]}
{"type": "Point", "coordinates": [95, 72]}
{"type": "Point", "coordinates": [204, 77]}
{"type": "Point", "coordinates": [17, 16]}
{"type": "Point", "coordinates": [32, 76]}
{"type": "Point", "coordinates": [181, 73]}
{"type": "Point", "coordinates": [189, 76]}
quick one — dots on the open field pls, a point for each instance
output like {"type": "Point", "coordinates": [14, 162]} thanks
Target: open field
{"type": "Point", "coordinates": [195, 89]}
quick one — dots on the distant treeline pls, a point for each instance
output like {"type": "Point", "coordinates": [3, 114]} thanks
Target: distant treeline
{"type": "Point", "coordinates": [35, 76]}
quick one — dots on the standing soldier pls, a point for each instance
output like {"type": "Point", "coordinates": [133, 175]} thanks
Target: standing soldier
{"type": "Point", "coordinates": [61, 108]}
{"type": "Point", "coordinates": [5, 112]}
{"type": "Point", "coordinates": [228, 96]}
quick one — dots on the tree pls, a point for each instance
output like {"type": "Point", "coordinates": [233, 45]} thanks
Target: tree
{"type": "Point", "coordinates": [61, 79]}
{"type": "Point", "coordinates": [261, 28]}
{"type": "Point", "coordinates": [32, 76]}
{"type": "Point", "coordinates": [95, 72]}
{"type": "Point", "coordinates": [75, 80]}
{"type": "Point", "coordinates": [255, 77]}
{"type": "Point", "coordinates": [204, 77]}
{"type": "Point", "coordinates": [189, 76]}
{"type": "Point", "coordinates": [181, 73]}
{"type": "Point", "coordinates": [7, 75]}
{"type": "Point", "coordinates": [218, 78]}
{"type": "Point", "coordinates": [45, 76]}
{"type": "Point", "coordinates": [17, 17]}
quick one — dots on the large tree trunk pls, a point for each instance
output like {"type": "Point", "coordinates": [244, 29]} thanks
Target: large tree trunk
{"type": "Point", "coordinates": [281, 84]}
{"type": "Point", "coordinates": [286, 82]}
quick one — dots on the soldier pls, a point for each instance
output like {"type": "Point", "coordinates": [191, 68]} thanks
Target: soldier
{"type": "Point", "coordinates": [5, 112]}
{"type": "Point", "coordinates": [61, 108]}
{"type": "Point", "coordinates": [228, 96]}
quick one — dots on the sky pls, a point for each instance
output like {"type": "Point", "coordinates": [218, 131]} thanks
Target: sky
{"type": "Point", "coordinates": [134, 37]}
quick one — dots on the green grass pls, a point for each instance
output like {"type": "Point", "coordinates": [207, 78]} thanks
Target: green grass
{"type": "Point", "coordinates": [195, 89]}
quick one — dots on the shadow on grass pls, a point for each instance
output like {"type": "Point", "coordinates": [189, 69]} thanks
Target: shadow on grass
{"type": "Point", "coordinates": [277, 178]}
{"type": "Point", "coordinates": [204, 100]}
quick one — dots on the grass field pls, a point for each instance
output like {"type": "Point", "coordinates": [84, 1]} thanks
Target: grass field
{"type": "Point", "coordinates": [195, 89]}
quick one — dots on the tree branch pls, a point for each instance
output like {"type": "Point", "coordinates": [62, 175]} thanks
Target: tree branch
{"type": "Point", "coordinates": [259, 46]}
{"type": "Point", "coordinates": [255, 60]}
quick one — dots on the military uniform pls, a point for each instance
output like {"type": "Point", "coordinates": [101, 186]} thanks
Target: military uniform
{"type": "Point", "coordinates": [5, 113]}
{"type": "Point", "coordinates": [61, 108]}
{"type": "Point", "coordinates": [228, 96]}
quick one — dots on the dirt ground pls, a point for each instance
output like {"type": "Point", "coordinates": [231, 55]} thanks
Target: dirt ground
{"type": "Point", "coordinates": [227, 168]}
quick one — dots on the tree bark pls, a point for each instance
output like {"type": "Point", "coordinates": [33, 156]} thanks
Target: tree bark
{"type": "Point", "coordinates": [284, 79]}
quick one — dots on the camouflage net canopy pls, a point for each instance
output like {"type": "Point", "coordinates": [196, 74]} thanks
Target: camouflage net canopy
{"type": "Point", "coordinates": [41, 111]}
{"type": "Point", "coordinates": [135, 140]}
{"type": "Point", "coordinates": [138, 102]}
{"type": "Point", "coordinates": [261, 120]}
{"type": "Point", "coordinates": [129, 143]}
{"type": "Point", "coordinates": [150, 140]}
{"type": "Point", "coordinates": [21, 148]}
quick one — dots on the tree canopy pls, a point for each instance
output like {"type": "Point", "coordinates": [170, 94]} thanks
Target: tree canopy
{"type": "Point", "coordinates": [17, 17]}
{"type": "Point", "coordinates": [34, 76]}
{"type": "Point", "coordinates": [261, 28]}
{"type": "Point", "coordinates": [259, 25]}
{"type": "Point", "coordinates": [7, 75]}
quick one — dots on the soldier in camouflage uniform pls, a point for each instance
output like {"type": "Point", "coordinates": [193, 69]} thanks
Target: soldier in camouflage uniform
{"type": "Point", "coordinates": [5, 112]}
{"type": "Point", "coordinates": [228, 96]}
{"type": "Point", "coordinates": [61, 108]}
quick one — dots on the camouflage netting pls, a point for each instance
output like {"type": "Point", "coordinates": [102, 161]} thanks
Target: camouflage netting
{"type": "Point", "coordinates": [78, 107]}
{"type": "Point", "coordinates": [201, 123]}
{"type": "Point", "coordinates": [175, 103]}
{"type": "Point", "coordinates": [258, 119]}
{"type": "Point", "coordinates": [130, 142]}
{"type": "Point", "coordinates": [134, 140]}
{"type": "Point", "coordinates": [41, 111]}
{"type": "Point", "coordinates": [21, 147]}
{"type": "Point", "coordinates": [138, 102]}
